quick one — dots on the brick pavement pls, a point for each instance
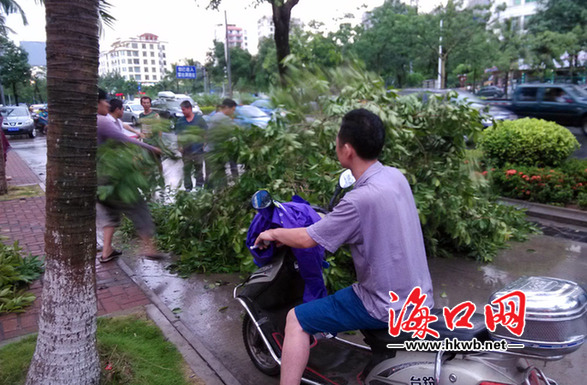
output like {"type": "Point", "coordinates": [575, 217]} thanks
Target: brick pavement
{"type": "Point", "coordinates": [23, 220]}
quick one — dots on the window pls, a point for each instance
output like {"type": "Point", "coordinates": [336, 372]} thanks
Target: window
{"type": "Point", "coordinates": [153, 69]}
{"type": "Point", "coordinates": [136, 61]}
{"type": "Point", "coordinates": [154, 77]}
{"type": "Point", "coordinates": [129, 69]}
{"type": "Point", "coordinates": [123, 61]}
{"type": "Point", "coordinates": [135, 53]}
{"type": "Point", "coordinates": [146, 77]}
{"type": "Point", "coordinates": [144, 53]}
{"type": "Point", "coordinates": [152, 62]}
{"type": "Point", "coordinates": [528, 94]}
{"type": "Point", "coordinates": [517, 2]}
{"type": "Point", "coordinates": [146, 69]}
{"type": "Point", "coordinates": [135, 45]}
{"type": "Point", "coordinates": [137, 77]}
{"type": "Point", "coordinates": [152, 54]}
{"type": "Point", "coordinates": [137, 69]}
{"type": "Point", "coordinates": [144, 46]}
{"type": "Point", "coordinates": [145, 61]}
{"type": "Point", "coordinates": [151, 46]}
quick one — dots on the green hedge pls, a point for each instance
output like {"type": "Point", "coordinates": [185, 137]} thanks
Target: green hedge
{"type": "Point", "coordinates": [530, 142]}
{"type": "Point", "coordinates": [562, 185]}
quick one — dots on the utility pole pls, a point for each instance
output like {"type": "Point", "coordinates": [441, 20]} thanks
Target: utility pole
{"type": "Point", "coordinates": [440, 74]}
{"type": "Point", "coordinates": [227, 56]}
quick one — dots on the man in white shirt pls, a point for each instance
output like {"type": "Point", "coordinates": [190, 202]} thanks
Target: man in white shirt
{"type": "Point", "coordinates": [115, 114]}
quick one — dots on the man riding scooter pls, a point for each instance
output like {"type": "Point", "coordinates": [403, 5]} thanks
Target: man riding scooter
{"type": "Point", "coordinates": [378, 219]}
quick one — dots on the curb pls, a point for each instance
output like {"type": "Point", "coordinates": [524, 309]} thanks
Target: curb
{"type": "Point", "coordinates": [204, 364]}
{"type": "Point", "coordinates": [553, 213]}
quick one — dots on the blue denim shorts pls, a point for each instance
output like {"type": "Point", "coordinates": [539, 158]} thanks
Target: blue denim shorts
{"type": "Point", "coordinates": [339, 312]}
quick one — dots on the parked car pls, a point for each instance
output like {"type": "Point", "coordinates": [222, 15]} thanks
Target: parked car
{"type": "Point", "coordinates": [488, 113]}
{"type": "Point", "coordinates": [565, 104]}
{"type": "Point", "coordinates": [131, 112]}
{"type": "Point", "coordinates": [264, 105]}
{"type": "Point", "coordinates": [17, 121]}
{"type": "Point", "coordinates": [248, 115]}
{"type": "Point", "coordinates": [490, 92]}
{"type": "Point", "coordinates": [170, 109]}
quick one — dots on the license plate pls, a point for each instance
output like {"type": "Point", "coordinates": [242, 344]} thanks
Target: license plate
{"type": "Point", "coordinates": [13, 129]}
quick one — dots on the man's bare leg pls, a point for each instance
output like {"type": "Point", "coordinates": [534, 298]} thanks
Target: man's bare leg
{"type": "Point", "coordinates": [107, 245]}
{"type": "Point", "coordinates": [296, 351]}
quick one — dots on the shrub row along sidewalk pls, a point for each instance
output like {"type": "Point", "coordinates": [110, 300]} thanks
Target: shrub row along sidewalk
{"type": "Point", "coordinates": [23, 220]}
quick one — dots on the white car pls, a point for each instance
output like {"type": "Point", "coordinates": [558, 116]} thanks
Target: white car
{"type": "Point", "coordinates": [131, 113]}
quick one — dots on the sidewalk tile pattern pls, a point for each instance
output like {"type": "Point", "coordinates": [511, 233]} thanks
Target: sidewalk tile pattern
{"type": "Point", "coordinates": [23, 220]}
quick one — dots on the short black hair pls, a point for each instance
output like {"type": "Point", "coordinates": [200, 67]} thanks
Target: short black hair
{"type": "Point", "coordinates": [102, 95]}
{"type": "Point", "coordinates": [186, 104]}
{"type": "Point", "coordinates": [146, 97]}
{"type": "Point", "coordinates": [363, 130]}
{"type": "Point", "coordinates": [114, 104]}
{"type": "Point", "coordinates": [229, 103]}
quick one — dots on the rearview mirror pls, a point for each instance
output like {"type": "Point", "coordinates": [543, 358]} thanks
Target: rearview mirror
{"type": "Point", "coordinates": [346, 179]}
{"type": "Point", "coordinates": [261, 200]}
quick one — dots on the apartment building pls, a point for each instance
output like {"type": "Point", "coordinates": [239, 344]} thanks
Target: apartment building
{"type": "Point", "coordinates": [237, 36]}
{"type": "Point", "coordinates": [142, 58]}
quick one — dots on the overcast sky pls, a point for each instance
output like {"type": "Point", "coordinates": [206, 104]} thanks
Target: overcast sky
{"type": "Point", "coordinates": [186, 24]}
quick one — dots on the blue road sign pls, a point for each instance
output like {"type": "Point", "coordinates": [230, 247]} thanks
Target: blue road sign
{"type": "Point", "coordinates": [185, 72]}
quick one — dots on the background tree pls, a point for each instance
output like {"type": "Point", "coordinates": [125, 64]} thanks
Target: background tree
{"type": "Point", "coordinates": [509, 47]}
{"type": "Point", "coordinates": [14, 66]}
{"type": "Point", "coordinates": [281, 10]}
{"type": "Point", "coordinates": [459, 25]}
{"type": "Point", "coordinates": [6, 8]}
{"type": "Point", "coordinates": [390, 46]}
{"type": "Point", "coordinates": [66, 345]}
{"type": "Point", "coordinates": [562, 22]}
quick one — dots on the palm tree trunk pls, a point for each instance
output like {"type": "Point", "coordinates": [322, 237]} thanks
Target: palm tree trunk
{"type": "Point", "coordinates": [66, 346]}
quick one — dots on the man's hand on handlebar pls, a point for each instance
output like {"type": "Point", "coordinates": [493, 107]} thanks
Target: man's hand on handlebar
{"type": "Point", "coordinates": [265, 238]}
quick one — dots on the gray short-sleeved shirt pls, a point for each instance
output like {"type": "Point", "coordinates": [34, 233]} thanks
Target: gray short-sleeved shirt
{"type": "Point", "coordinates": [380, 222]}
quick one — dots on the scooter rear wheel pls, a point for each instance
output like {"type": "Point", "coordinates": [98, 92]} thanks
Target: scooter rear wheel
{"type": "Point", "coordinates": [257, 350]}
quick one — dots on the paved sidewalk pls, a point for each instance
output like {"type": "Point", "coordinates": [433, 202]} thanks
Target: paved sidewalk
{"type": "Point", "coordinates": [23, 220]}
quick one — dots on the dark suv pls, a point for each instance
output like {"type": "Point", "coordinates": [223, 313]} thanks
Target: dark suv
{"type": "Point", "coordinates": [565, 104]}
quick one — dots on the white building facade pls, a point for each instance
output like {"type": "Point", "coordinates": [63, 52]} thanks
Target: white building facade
{"type": "Point", "coordinates": [142, 58]}
{"type": "Point", "coordinates": [237, 36]}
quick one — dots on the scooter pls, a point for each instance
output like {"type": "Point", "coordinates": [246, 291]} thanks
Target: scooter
{"type": "Point", "coordinates": [555, 325]}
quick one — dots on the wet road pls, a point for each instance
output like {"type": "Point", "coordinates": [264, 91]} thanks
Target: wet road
{"type": "Point", "coordinates": [204, 302]}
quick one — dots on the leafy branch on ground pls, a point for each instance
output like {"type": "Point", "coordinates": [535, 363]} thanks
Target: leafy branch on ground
{"type": "Point", "coordinates": [16, 274]}
{"type": "Point", "coordinates": [295, 154]}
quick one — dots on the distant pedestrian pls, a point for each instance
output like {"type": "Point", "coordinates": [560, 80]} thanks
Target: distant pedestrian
{"type": "Point", "coordinates": [110, 210]}
{"type": "Point", "coordinates": [146, 115]}
{"type": "Point", "coordinates": [115, 114]}
{"type": "Point", "coordinates": [223, 120]}
{"type": "Point", "coordinates": [5, 145]}
{"type": "Point", "coordinates": [191, 145]}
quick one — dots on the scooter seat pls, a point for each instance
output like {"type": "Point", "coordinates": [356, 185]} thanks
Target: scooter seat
{"type": "Point", "coordinates": [379, 338]}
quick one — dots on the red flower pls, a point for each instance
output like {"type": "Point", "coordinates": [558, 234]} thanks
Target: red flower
{"type": "Point", "coordinates": [108, 367]}
{"type": "Point", "coordinates": [527, 192]}
{"type": "Point", "coordinates": [484, 173]}
{"type": "Point", "coordinates": [511, 172]}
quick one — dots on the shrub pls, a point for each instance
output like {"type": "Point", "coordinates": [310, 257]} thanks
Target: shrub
{"type": "Point", "coordinates": [206, 110]}
{"type": "Point", "coordinates": [530, 142]}
{"type": "Point", "coordinates": [559, 186]}
{"type": "Point", "coordinates": [16, 273]}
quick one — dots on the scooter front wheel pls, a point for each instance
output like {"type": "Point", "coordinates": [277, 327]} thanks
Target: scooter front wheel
{"type": "Point", "coordinates": [257, 349]}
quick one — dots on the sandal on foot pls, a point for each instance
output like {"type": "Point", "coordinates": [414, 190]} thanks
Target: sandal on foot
{"type": "Point", "coordinates": [113, 254]}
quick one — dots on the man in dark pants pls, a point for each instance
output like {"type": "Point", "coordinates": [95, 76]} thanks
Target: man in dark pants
{"type": "Point", "coordinates": [192, 152]}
